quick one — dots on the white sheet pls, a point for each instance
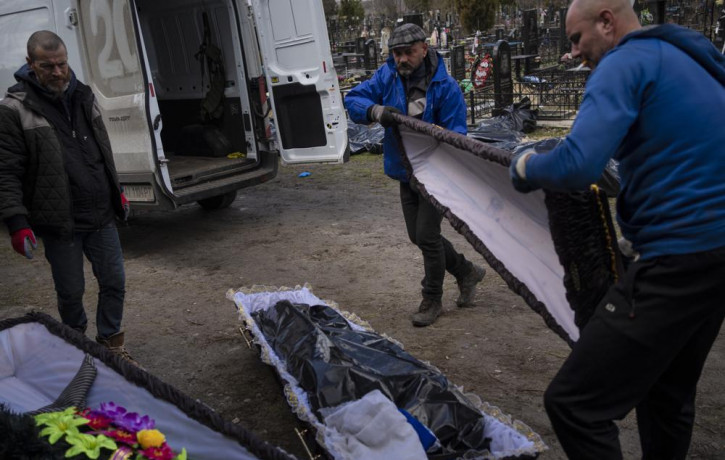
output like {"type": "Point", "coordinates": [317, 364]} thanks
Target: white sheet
{"type": "Point", "coordinates": [512, 225]}
{"type": "Point", "coordinates": [371, 427]}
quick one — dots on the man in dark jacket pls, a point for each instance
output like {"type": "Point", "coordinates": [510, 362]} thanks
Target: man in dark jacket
{"type": "Point", "coordinates": [414, 81]}
{"type": "Point", "coordinates": [58, 179]}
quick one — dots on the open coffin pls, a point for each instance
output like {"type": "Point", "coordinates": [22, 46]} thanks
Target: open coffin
{"type": "Point", "coordinates": [557, 250]}
{"type": "Point", "coordinates": [39, 357]}
{"type": "Point", "coordinates": [363, 394]}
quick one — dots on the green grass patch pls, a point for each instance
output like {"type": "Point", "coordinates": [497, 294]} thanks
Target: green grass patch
{"type": "Point", "coordinates": [361, 168]}
{"type": "Point", "coordinates": [547, 133]}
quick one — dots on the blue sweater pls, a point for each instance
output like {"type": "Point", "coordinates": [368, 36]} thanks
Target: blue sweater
{"type": "Point", "coordinates": [660, 111]}
{"type": "Point", "coordinates": [444, 107]}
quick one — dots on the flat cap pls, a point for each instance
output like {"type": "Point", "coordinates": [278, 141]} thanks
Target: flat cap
{"type": "Point", "coordinates": [406, 35]}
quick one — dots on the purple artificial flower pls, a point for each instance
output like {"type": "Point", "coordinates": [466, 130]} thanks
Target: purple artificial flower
{"type": "Point", "coordinates": [127, 421]}
{"type": "Point", "coordinates": [112, 410]}
{"type": "Point", "coordinates": [133, 422]}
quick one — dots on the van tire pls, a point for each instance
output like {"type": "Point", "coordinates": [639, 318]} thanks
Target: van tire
{"type": "Point", "coordinates": [219, 201]}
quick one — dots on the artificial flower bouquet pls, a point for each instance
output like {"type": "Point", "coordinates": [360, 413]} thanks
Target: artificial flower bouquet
{"type": "Point", "coordinates": [109, 432]}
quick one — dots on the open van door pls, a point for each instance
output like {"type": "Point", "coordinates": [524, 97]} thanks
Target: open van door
{"type": "Point", "coordinates": [308, 111]}
{"type": "Point", "coordinates": [20, 18]}
{"type": "Point", "coordinates": [116, 73]}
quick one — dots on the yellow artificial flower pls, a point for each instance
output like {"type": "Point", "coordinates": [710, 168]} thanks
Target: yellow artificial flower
{"type": "Point", "coordinates": [150, 438]}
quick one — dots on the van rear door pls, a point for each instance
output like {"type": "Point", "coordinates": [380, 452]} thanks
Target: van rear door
{"type": "Point", "coordinates": [308, 110]}
{"type": "Point", "coordinates": [20, 18]}
{"type": "Point", "coordinates": [115, 71]}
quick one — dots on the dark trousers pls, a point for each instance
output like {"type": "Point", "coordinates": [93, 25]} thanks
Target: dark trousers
{"type": "Point", "coordinates": [423, 223]}
{"type": "Point", "coordinates": [103, 250]}
{"type": "Point", "coordinates": [644, 348]}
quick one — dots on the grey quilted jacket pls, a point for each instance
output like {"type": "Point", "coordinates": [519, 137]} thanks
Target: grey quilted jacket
{"type": "Point", "coordinates": [34, 186]}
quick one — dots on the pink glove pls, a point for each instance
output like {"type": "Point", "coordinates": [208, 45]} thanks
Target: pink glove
{"type": "Point", "coordinates": [24, 242]}
{"type": "Point", "coordinates": [126, 206]}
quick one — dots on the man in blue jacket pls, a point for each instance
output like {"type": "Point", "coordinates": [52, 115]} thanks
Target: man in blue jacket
{"type": "Point", "coordinates": [656, 103]}
{"type": "Point", "coordinates": [414, 81]}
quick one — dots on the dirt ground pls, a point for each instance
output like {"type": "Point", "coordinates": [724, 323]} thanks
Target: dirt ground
{"type": "Point", "coordinates": [341, 230]}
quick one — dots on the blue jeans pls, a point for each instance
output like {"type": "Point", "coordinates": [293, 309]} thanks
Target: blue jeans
{"type": "Point", "coordinates": [103, 249]}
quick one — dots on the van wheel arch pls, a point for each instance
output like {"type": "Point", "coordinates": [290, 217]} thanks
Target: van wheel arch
{"type": "Point", "coordinates": [218, 202]}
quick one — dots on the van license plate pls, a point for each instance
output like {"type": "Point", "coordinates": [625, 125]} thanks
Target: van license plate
{"type": "Point", "coordinates": [139, 193]}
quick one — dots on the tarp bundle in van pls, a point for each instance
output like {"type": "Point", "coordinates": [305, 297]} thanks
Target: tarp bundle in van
{"type": "Point", "coordinates": [40, 359]}
{"type": "Point", "coordinates": [364, 395]}
{"type": "Point", "coordinates": [557, 250]}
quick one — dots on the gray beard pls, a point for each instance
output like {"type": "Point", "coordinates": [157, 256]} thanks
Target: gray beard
{"type": "Point", "coordinates": [406, 72]}
{"type": "Point", "coordinates": [58, 92]}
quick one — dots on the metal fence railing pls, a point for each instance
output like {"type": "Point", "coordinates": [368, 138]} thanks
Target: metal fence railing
{"type": "Point", "coordinates": [537, 43]}
{"type": "Point", "coordinates": [555, 93]}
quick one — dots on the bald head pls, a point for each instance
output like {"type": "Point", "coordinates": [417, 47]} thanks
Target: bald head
{"type": "Point", "coordinates": [596, 26]}
{"type": "Point", "coordinates": [591, 8]}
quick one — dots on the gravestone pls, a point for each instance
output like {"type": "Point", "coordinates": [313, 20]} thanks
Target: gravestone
{"type": "Point", "coordinates": [564, 45]}
{"type": "Point", "coordinates": [657, 9]}
{"type": "Point", "coordinates": [416, 18]}
{"type": "Point", "coordinates": [360, 45]}
{"type": "Point", "coordinates": [458, 62]}
{"type": "Point", "coordinates": [384, 37]}
{"type": "Point", "coordinates": [503, 85]}
{"type": "Point", "coordinates": [720, 37]}
{"type": "Point", "coordinates": [332, 31]}
{"type": "Point", "coordinates": [370, 57]}
{"type": "Point", "coordinates": [530, 32]}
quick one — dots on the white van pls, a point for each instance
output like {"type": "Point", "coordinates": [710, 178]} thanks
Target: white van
{"type": "Point", "coordinates": [183, 86]}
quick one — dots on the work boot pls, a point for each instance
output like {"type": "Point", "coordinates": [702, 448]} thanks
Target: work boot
{"type": "Point", "coordinates": [467, 286]}
{"type": "Point", "coordinates": [114, 344]}
{"type": "Point", "coordinates": [428, 312]}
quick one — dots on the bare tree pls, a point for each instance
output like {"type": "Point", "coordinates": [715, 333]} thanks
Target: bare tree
{"type": "Point", "coordinates": [385, 8]}
{"type": "Point", "coordinates": [420, 6]}
{"type": "Point", "coordinates": [330, 7]}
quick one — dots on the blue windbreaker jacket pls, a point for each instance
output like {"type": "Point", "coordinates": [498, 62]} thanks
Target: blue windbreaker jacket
{"type": "Point", "coordinates": [656, 103]}
{"type": "Point", "coordinates": [445, 107]}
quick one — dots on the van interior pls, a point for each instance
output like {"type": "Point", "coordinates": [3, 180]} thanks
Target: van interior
{"type": "Point", "coordinates": [207, 111]}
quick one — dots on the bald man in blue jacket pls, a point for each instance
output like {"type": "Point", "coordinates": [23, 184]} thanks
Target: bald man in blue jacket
{"type": "Point", "coordinates": [656, 103]}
